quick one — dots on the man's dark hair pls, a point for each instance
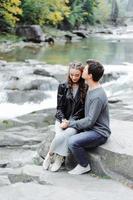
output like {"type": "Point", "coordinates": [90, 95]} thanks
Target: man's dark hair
{"type": "Point", "coordinates": [96, 69]}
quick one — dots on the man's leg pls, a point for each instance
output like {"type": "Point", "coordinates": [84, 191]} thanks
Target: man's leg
{"type": "Point", "coordinates": [78, 143]}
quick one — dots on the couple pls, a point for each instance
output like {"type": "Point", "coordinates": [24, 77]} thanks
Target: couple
{"type": "Point", "coordinates": [82, 117]}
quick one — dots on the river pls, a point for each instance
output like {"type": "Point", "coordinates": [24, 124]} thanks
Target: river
{"type": "Point", "coordinates": [107, 50]}
{"type": "Point", "coordinates": [115, 53]}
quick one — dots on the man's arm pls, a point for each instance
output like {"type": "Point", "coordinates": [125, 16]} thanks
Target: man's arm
{"type": "Point", "coordinates": [92, 116]}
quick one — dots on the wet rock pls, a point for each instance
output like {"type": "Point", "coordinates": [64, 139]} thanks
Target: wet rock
{"type": "Point", "coordinates": [114, 101]}
{"type": "Point", "coordinates": [20, 97]}
{"type": "Point", "coordinates": [32, 33]}
{"type": "Point", "coordinates": [4, 181]}
{"type": "Point", "coordinates": [68, 38]}
{"type": "Point", "coordinates": [3, 63]}
{"type": "Point", "coordinates": [81, 33]}
{"type": "Point", "coordinates": [32, 82]}
{"type": "Point", "coordinates": [111, 76]}
{"type": "Point", "coordinates": [50, 40]}
{"type": "Point", "coordinates": [42, 72]}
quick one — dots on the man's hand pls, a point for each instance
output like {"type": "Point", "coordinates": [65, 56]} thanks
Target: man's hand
{"type": "Point", "coordinates": [64, 124]}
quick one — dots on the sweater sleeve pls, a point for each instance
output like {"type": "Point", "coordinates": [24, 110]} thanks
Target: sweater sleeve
{"type": "Point", "coordinates": [92, 116]}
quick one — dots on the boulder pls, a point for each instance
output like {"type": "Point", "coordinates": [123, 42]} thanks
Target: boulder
{"type": "Point", "coordinates": [31, 33]}
{"type": "Point", "coordinates": [42, 72]}
{"type": "Point", "coordinates": [81, 33]}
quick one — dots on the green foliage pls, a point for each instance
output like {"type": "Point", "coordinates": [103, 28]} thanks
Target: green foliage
{"type": "Point", "coordinates": [44, 11]}
{"type": "Point", "coordinates": [54, 12]}
{"type": "Point", "coordinates": [81, 12]}
{"type": "Point", "coordinates": [102, 11]}
{"type": "Point", "coordinates": [9, 12]}
{"type": "Point", "coordinates": [50, 12]}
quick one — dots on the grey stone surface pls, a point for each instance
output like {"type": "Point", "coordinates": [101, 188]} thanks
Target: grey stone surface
{"type": "Point", "coordinates": [21, 165]}
{"type": "Point", "coordinates": [32, 33]}
{"type": "Point", "coordinates": [4, 181]}
{"type": "Point", "coordinates": [115, 158]}
{"type": "Point", "coordinates": [62, 185]}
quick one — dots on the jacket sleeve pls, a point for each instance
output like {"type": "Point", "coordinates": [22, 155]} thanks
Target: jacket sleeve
{"type": "Point", "coordinates": [91, 118]}
{"type": "Point", "coordinates": [60, 103]}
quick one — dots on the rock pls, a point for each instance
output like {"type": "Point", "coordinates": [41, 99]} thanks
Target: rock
{"type": "Point", "coordinates": [42, 72]}
{"type": "Point", "coordinates": [114, 100]}
{"type": "Point", "coordinates": [44, 146]}
{"type": "Point", "coordinates": [20, 97]}
{"type": "Point", "coordinates": [68, 38]}
{"type": "Point", "coordinates": [3, 63]}
{"type": "Point", "coordinates": [62, 185]}
{"type": "Point", "coordinates": [50, 40]}
{"type": "Point", "coordinates": [111, 76]}
{"type": "Point", "coordinates": [32, 82]}
{"type": "Point", "coordinates": [81, 33]}
{"type": "Point", "coordinates": [4, 181]}
{"type": "Point", "coordinates": [31, 33]}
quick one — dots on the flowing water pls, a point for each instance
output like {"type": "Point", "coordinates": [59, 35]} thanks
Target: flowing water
{"type": "Point", "coordinates": [108, 51]}
{"type": "Point", "coordinates": [115, 53]}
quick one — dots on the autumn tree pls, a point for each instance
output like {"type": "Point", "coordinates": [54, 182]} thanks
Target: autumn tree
{"type": "Point", "coordinates": [44, 11]}
{"type": "Point", "coordinates": [9, 12]}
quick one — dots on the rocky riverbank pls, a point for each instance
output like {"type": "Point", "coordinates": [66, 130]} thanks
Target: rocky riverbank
{"type": "Point", "coordinates": [58, 36]}
{"type": "Point", "coordinates": [21, 165]}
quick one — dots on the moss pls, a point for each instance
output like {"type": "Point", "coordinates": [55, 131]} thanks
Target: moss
{"type": "Point", "coordinates": [6, 124]}
{"type": "Point", "coordinates": [98, 176]}
{"type": "Point", "coordinates": [9, 37]}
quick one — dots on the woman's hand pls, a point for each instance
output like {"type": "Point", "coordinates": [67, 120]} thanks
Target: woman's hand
{"type": "Point", "coordinates": [64, 124]}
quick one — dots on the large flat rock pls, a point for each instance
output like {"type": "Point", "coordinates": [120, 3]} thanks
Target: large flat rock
{"type": "Point", "coordinates": [115, 158]}
{"type": "Point", "coordinates": [64, 186]}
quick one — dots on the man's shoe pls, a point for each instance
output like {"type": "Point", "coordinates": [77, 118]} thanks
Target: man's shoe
{"type": "Point", "coordinates": [57, 163]}
{"type": "Point", "coordinates": [47, 162]}
{"type": "Point", "coordinates": [80, 170]}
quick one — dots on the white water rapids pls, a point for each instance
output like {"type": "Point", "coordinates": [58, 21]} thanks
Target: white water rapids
{"type": "Point", "coordinates": [120, 89]}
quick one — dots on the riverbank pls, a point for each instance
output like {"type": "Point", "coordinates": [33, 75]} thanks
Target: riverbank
{"type": "Point", "coordinates": [9, 42]}
{"type": "Point", "coordinates": [21, 166]}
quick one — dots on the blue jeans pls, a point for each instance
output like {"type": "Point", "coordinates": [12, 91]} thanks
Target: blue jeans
{"type": "Point", "coordinates": [78, 144]}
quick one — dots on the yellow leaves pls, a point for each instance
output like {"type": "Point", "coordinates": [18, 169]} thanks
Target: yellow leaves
{"type": "Point", "coordinates": [59, 11]}
{"type": "Point", "coordinates": [55, 17]}
{"type": "Point", "coordinates": [66, 1]}
{"type": "Point", "coordinates": [11, 10]}
{"type": "Point", "coordinates": [16, 2]}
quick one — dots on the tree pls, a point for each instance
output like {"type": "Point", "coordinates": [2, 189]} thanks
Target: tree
{"type": "Point", "coordinates": [44, 11]}
{"type": "Point", "coordinates": [102, 11]}
{"type": "Point", "coordinates": [9, 12]}
{"type": "Point", "coordinates": [81, 12]}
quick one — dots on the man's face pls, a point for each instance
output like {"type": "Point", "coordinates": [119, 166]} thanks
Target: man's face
{"type": "Point", "coordinates": [85, 73]}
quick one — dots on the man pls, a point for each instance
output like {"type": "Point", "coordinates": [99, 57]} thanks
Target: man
{"type": "Point", "coordinates": [93, 129]}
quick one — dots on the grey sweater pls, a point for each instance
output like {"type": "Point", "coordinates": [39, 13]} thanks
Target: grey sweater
{"type": "Point", "coordinates": [96, 113]}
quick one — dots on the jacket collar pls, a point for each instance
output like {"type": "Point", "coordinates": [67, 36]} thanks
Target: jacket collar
{"type": "Point", "coordinates": [69, 93]}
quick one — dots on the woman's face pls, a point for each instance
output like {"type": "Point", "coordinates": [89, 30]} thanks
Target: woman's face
{"type": "Point", "coordinates": [75, 75]}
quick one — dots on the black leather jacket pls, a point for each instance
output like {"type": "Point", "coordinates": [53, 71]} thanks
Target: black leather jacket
{"type": "Point", "coordinates": [67, 105]}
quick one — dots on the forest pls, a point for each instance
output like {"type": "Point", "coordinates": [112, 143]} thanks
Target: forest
{"type": "Point", "coordinates": [62, 14]}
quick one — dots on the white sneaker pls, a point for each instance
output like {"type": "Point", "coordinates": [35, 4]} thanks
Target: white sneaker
{"type": "Point", "coordinates": [57, 163]}
{"type": "Point", "coordinates": [47, 162]}
{"type": "Point", "coordinates": [80, 170]}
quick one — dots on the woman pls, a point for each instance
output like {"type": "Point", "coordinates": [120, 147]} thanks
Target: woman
{"type": "Point", "coordinates": [70, 105]}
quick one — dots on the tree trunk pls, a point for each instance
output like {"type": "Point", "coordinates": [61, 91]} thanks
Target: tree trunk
{"type": "Point", "coordinates": [114, 12]}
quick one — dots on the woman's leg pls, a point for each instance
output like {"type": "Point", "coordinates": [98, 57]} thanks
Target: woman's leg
{"type": "Point", "coordinates": [49, 156]}
{"type": "Point", "coordinates": [59, 144]}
